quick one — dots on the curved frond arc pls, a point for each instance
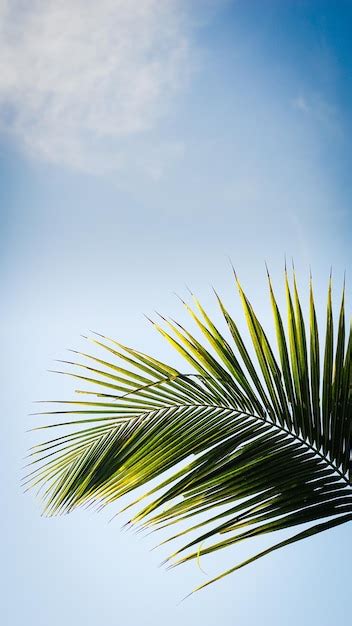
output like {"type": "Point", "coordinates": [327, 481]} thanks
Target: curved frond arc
{"type": "Point", "coordinates": [253, 439]}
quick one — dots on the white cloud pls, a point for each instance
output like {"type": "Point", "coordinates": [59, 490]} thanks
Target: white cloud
{"type": "Point", "coordinates": [317, 108]}
{"type": "Point", "coordinates": [79, 78]}
{"type": "Point", "coordinates": [300, 103]}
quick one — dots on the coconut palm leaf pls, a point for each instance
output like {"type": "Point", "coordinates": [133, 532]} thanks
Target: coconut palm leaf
{"type": "Point", "coordinates": [252, 441]}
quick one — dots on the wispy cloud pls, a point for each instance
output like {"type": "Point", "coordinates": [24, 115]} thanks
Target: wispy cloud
{"type": "Point", "coordinates": [78, 78]}
{"type": "Point", "coordinates": [300, 103]}
{"type": "Point", "coordinates": [319, 109]}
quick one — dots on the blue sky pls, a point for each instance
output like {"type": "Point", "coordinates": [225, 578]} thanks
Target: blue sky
{"type": "Point", "coordinates": [141, 145]}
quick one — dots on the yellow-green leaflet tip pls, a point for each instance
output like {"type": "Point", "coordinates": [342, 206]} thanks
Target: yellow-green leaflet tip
{"type": "Point", "coordinates": [189, 290]}
{"type": "Point", "coordinates": [149, 319]}
{"type": "Point", "coordinates": [179, 298]}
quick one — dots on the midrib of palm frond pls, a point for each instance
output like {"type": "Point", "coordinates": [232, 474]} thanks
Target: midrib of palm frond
{"type": "Point", "coordinates": [160, 411]}
{"type": "Point", "coordinates": [289, 433]}
{"type": "Point", "coordinates": [267, 420]}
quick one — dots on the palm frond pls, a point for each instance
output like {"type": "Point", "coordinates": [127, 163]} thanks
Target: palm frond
{"type": "Point", "coordinates": [236, 449]}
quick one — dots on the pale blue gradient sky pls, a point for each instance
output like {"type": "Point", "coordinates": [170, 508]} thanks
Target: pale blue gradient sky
{"type": "Point", "coordinates": [248, 156]}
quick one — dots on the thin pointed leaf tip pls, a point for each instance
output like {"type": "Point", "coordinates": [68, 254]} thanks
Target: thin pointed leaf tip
{"type": "Point", "coordinates": [250, 439]}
